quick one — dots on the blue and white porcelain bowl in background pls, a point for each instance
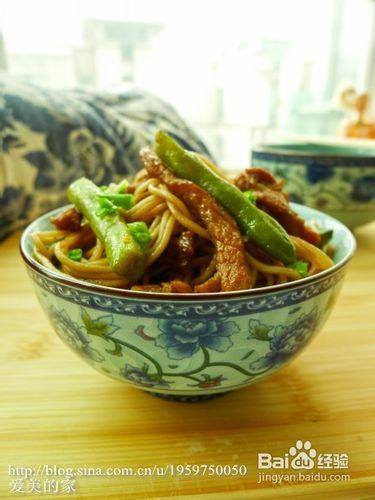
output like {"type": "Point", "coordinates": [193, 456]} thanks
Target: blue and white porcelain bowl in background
{"type": "Point", "coordinates": [189, 345]}
{"type": "Point", "coordinates": [335, 178]}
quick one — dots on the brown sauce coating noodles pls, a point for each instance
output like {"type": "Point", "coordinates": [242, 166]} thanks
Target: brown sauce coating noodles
{"type": "Point", "coordinates": [167, 217]}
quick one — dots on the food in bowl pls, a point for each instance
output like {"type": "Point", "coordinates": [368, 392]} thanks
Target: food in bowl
{"type": "Point", "coordinates": [187, 345]}
{"type": "Point", "coordinates": [337, 178]}
{"type": "Point", "coordinates": [180, 227]}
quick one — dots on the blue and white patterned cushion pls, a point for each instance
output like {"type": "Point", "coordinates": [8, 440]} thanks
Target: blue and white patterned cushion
{"type": "Point", "coordinates": [48, 138]}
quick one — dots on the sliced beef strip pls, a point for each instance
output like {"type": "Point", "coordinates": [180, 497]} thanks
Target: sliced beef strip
{"type": "Point", "coordinates": [230, 253]}
{"type": "Point", "coordinates": [213, 284]}
{"type": "Point", "coordinates": [180, 250]}
{"type": "Point", "coordinates": [68, 220]}
{"type": "Point", "coordinates": [271, 198]}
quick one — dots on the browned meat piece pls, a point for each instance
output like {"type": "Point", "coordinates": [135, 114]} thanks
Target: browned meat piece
{"type": "Point", "coordinates": [246, 180]}
{"type": "Point", "coordinates": [230, 252]}
{"type": "Point", "coordinates": [166, 287]}
{"type": "Point", "coordinates": [180, 250]}
{"type": "Point", "coordinates": [259, 253]}
{"type": "Point", "coordinates": [296, 226]}
{"type": "Point", "coordinates": [273, 200]}
{"type": "Point", "coordinates": [68, 220]}
{"type": "Point", "coordinates": [211, 285]}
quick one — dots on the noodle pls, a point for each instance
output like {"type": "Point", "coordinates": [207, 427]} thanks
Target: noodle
{"type": "Point", "coordinates": [167, 217]}
{"type": "Point", "coordinates": [165, 232]}
{"type": "Point", "coordinates": [267, 269]}
{"type": "Point", "coordinates": [312, 254]}
{"type": "Point", "coordinates": [180, 212]}
{"type": "Point", "coordinates": [96, 252]}
{"type": "Point", "coordinates": [207, 272]}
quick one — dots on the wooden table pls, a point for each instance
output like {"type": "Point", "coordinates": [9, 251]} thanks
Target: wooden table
{"type": "Point", "coordinates": [55, 410]}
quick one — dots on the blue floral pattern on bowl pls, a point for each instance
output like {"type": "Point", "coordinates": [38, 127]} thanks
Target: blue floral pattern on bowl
{"type": "Point", "coordinates": [183, 338]}
{"type": "Point", "coordinates": [318, 172]}
{"type": "Point", "coordinates": [343, 187]}
{"type": "Point", "coordinates": [284, 341]}
{"type": "Point", "coordinates": [364, 188]}
{"type": "Point", "coordinates": [157, 372]}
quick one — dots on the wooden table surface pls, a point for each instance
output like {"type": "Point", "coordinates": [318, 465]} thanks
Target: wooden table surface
{"type": "Point", "coordinates": [56, 410]}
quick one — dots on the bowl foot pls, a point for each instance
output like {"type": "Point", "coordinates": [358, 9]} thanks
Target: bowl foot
{"type": "Point", "coordinates": [187, 399]}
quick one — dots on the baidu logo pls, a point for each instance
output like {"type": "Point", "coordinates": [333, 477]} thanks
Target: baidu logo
{"type": "Point", "coordinates": [303, 456]}
{"type": "Point", "coordinates": [302, 463]}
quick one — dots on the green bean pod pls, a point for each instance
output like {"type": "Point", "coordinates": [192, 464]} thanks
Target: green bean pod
{"type": "Point", "coordinates": [255, 224]}
{"type": "Point", "coordinates": [125, 256]}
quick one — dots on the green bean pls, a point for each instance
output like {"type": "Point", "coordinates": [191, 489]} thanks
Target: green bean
{"type": "Point", "coordinates": [255, 224]}
{"type": "Point", "coordinates": [125, 255]}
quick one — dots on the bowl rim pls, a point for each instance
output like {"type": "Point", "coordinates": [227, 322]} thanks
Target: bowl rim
{"type": "Point", "coordinates": [287, 150]}
{"type": "Point", "coordinates": [133, 294]}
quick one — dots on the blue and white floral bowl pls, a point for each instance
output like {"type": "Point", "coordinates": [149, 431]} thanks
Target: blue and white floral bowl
{"type": "Point", "coordinates": [189, 346]}
{"type": "Point", "coordinates": [337, 179]}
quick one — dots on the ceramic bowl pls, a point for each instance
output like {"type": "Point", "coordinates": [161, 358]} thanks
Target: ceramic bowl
{"type": "Point", "coordinates": [337, 179]}
{"type": "Point", "coordinates": [189, 346]}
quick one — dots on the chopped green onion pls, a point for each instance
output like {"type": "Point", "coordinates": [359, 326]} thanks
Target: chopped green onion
{"type": "Point", "coordinates": [251, 196]}
{"type": "Point", "coordinates": [122, 186]}
{"type": "Point", "coordinates": [301, 267]}
{"type": "Point", "coordinates": [140, 233]}
{"type": "Point", "coordinates": [125, 200]}
{"type": "Point", "coordinates": [106, 207]}
{"type": "Point", "coordinates": [325, 238]}
{"type": "Point", "coordinates": [75, 254]}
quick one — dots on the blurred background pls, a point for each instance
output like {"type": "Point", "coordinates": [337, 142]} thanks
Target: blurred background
{"type": "Point", "coordinates": [239, 72]}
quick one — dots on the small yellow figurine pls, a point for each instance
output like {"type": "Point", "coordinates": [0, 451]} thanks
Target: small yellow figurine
{"type": "Point", "coordinates": [358, 127]}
